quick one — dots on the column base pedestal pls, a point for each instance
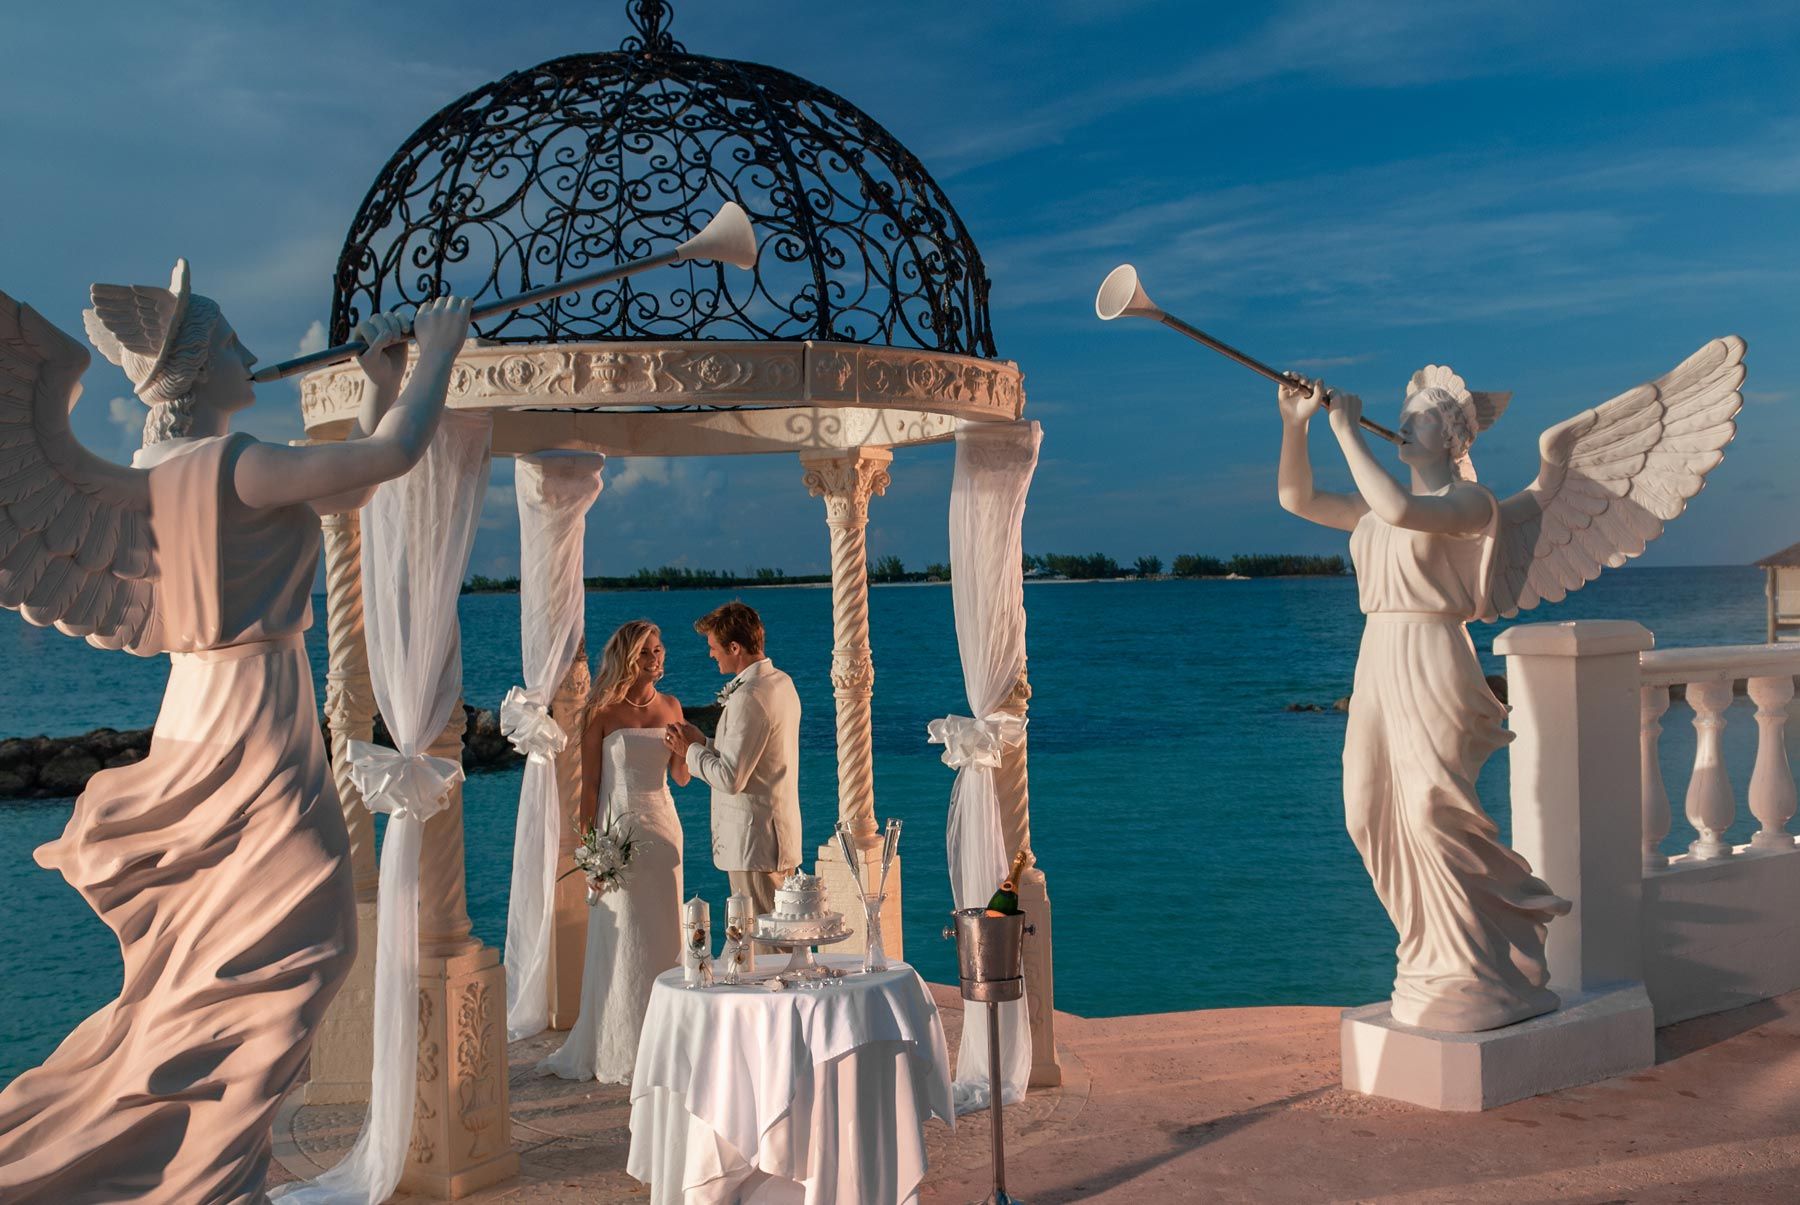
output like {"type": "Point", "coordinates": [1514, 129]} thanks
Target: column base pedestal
{"type": "Point", "coordinates": [343, 1052]}
{"type": "Point", "coordinates": [841, 893]}
{"type": "Point", "coordinates": [462, 1123]}
{"type": "Point", "coordinates": [1594, 1036]}
{"type": "Point", "coordinates": [1040, 980]}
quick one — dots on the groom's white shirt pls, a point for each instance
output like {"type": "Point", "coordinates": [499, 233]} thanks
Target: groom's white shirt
{"type": "Point", "coordinates": [752, 765]}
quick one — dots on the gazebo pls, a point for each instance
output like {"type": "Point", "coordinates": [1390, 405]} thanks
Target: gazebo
{"type": "Point", "coordinates": [863, 329]}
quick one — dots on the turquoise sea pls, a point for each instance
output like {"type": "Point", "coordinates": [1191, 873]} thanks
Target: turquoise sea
{"type": "Point", "coordinates": [1190, 826]}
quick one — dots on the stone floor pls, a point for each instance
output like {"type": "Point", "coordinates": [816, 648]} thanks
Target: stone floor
{"type": "Point", "coordinates": [1243, 1105]}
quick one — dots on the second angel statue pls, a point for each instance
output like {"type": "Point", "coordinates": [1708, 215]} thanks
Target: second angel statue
{"type": "Point", "coordinates": [1470, 915]}
{"type": "Point", "coordinates": [220, 860]}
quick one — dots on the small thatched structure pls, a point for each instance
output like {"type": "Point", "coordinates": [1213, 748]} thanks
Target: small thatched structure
{"type": "Point", "coordinates": [1783, 589]}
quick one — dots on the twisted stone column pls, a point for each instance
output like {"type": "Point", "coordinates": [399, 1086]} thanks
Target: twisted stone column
{"type": "Point", "coordinates": [444, 927]}
{"type": "Point", "coordinates": [343, 1050]}
{"type": "Point", "coordinates": [349, 696]}
{"type": "Point", "coordinates": [846, 481]}
{"type": "Point", "coordinates": [568, 937]}
{"type": "Point", "coordinates": [1012, 787]}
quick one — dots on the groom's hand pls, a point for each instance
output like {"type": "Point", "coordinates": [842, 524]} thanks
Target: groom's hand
{"type": "Point", "coordinates": [679, 736]}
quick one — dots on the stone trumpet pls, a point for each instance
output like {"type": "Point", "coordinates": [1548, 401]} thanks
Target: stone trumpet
{"type": "Point", "coordinates": [728, 239]}
{"type": "Point", "coordinates": [1122, 296]}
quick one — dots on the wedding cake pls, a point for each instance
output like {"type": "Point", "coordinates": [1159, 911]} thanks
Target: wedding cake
{"type": "Point", "coordinates": [799, 915]}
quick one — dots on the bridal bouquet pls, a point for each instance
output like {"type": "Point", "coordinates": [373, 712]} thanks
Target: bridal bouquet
{"type": "Point", "coordinates": [603, 856]}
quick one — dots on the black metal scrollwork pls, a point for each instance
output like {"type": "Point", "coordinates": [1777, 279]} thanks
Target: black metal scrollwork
{"type": "Point", "coordinates": [596, 159]}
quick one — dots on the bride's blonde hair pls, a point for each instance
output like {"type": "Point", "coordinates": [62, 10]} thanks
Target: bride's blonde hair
{"type": "Point", "coordinates": [618, 661]}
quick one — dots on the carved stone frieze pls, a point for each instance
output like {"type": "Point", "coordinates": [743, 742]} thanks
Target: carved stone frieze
{"type": "Point", "coordinates": [720, 374]}
{"type": "Point", "coordinates": [422, 1149]}
{"type": "Point", "coordinates": [478, 1105]}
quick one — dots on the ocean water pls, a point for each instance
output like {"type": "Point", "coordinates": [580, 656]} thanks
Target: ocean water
{"type": "Point", "coordinates": [1191, 827]}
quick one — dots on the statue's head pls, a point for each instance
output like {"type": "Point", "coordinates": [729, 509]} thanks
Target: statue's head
{"type": "Point", "coordinates": [180, 353]}
{"type": "Point", "coordinates": [1441, 417]}
{"type": "Point", "coordinates": [1436, 423]}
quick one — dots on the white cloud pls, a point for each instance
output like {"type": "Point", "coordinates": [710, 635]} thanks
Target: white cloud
{"type": "Point", "coordinates": [313, 340]}
{"type": "Point", "coordinates": [625, 475]}
{"type": "Point", "coordinates": [128, 415]}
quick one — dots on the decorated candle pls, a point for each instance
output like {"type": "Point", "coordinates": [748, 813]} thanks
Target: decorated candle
{"type": "Point", "coordinates": [696, 943]}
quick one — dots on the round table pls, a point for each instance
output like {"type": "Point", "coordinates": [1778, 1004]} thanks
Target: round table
{"type": "Point", "coordinates": [810, 1095]}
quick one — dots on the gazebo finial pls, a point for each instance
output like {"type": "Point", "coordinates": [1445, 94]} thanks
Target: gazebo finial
{"type": "Point", "coordinates": [650, 21]}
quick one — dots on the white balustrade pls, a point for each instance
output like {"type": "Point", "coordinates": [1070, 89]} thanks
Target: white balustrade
{"type": "Point", "coordinates": [1772, 782]}
{"type": "Point", "coordinates": [1708, 676]}
{"type": "Point", "coordinates": [1652, 702]}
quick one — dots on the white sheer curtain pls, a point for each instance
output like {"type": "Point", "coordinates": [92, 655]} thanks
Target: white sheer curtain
{"type": "Point", "coordinates": [994, 464]}
{"type": "Point", "coordinates": [417, 533]}
{"type": "Point", "coordinates": [555, 490]}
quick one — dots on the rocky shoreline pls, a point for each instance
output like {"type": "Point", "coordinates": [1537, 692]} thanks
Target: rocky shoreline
{"type": "Point", "coordinates": [58, 767]}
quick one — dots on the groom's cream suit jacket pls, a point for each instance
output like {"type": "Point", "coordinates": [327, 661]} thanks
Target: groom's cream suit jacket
{"type": "Point", "coordinates": [752, 765]}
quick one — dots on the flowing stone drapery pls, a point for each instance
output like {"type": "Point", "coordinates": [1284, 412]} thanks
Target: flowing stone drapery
{"type": "Point", "coordinates": [417, 534]}
{"type": "Point", "coordinates": [994, 465]}
{"type": "Point", "coordinates": [555, 491]}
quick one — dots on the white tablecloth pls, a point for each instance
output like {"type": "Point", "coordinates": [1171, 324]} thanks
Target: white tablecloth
{"type": "Point", "coordinates": [802, 1095]}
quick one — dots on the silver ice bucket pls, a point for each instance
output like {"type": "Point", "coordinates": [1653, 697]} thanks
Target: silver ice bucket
{"type": "Point", "coordinates": [990, 952]}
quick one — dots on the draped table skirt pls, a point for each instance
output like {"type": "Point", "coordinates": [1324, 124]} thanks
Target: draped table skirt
{"type": "Point", "coordinates": [802, 1095]}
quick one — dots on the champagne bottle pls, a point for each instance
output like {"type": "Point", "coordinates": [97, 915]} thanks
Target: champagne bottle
{"type": "Point", "coordinates": [1006, 900]}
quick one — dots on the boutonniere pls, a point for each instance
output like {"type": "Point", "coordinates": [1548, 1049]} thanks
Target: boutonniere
{"type": "Point", "coordinates": [726, 692]}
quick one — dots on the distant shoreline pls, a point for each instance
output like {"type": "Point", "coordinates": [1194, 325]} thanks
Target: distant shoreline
{"type": "Point", "coordinates": [807, 584]}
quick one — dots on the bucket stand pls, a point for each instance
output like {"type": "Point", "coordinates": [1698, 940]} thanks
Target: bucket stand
{"type": "Point", "coordinates": [991, 957]}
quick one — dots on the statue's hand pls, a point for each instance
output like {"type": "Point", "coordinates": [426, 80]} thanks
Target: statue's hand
{"type": "Point", "coordinates": [1300, 401]}
{"type": "Point", "coordinates": [1346, 409]}
{"type": "Point", "coordinates": [384, 363]}
{"type": "Point", "coordinates": [440, 326]}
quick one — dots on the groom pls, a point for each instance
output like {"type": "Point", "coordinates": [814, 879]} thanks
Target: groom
{"type": "Point", "coordinates": [753, 763]}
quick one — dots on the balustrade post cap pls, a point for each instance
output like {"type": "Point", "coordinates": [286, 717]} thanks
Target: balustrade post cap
{"type": "Point", "coordinates": [1575, 638]}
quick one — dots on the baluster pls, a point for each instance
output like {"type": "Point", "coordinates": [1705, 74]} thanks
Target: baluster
{"type": "Point", "coordinates": [1772, 782]}
{"type": "Point", "coordinates": [1710, 806]}
{"type": "Point", "coordinates": [1652, 702]}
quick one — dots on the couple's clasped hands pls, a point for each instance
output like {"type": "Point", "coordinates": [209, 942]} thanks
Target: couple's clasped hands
{"type": "Point", "coordinates": [679, 736]}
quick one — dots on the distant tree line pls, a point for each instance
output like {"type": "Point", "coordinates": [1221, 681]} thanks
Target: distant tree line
{"type": "Point", "coordinates": [1258, 565]}
{"type": "Point", "coordinates": [892, 569]}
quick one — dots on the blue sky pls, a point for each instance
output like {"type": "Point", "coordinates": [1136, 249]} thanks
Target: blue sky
{"type": "Point", "coordinates": [1561, 200]}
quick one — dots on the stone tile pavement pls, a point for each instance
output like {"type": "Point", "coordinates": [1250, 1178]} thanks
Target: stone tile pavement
{"type": "Point", "coordinates": [1242, 1105]}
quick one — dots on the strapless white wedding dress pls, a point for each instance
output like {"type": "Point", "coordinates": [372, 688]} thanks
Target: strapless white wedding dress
{"type": "Point", "coordinates": [634, 932]}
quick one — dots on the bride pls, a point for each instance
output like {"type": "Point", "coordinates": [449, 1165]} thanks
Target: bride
{"type": "Point", "coordinates": [634, 932]}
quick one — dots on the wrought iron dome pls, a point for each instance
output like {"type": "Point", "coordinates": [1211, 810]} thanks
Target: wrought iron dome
{"type": "Point", "coordinates": [595, 159]}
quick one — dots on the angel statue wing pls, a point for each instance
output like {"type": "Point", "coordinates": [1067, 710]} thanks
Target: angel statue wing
{"type": "Point", "coordinates": [75, 540]}
{"type": "Point", "coordinates": [1612, 476]}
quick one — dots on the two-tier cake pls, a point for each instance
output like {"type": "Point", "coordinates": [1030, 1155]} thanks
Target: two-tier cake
{"type": "Point", "coordinates": [799, 917]}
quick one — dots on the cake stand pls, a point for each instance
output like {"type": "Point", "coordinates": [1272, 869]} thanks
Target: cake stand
{"type": "Point", "coordinates": [801, 962]}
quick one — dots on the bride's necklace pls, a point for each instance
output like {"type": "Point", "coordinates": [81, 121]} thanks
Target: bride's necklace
{"type": "Point", "coordinates": [647, 698]}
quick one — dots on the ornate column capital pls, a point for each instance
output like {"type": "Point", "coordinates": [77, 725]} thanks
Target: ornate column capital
{"type": "Point", "coordinates": [847, 480]}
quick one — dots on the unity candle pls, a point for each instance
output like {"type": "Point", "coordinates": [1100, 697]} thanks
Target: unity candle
{"type": "Point", "coordinates": [739, 919]}
{"type": "Point", "coordinates": [696, 943]}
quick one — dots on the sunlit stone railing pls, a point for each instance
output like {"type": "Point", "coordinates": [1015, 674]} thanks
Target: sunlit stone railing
{"type": "Point", "coordinates": [1709, 677]}
{"type": "Point", "coordinates": [1704, 931]}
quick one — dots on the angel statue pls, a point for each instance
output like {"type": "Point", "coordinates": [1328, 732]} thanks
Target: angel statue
{"type": "Point", "coordinates": [1470, 914]}
{"type": "Point", "coordinates": [221, 859]}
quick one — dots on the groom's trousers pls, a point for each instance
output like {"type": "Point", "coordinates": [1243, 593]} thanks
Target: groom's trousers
{"type": "Point", "coordinates": [760, 886]}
